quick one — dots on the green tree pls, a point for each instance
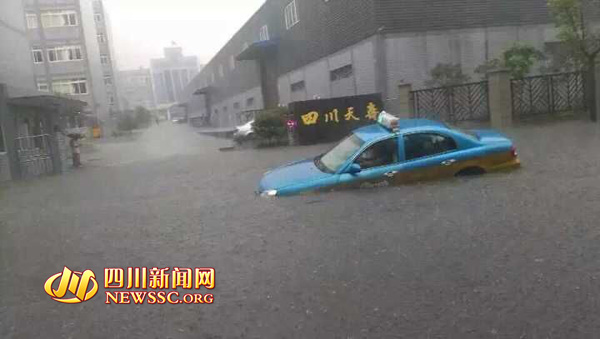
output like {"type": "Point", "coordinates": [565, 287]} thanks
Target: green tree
{"type": "Point", "coordinates": [126, 122]}
{"type": "Point", "coordinates": [443, 75]}
{"type": "Point", "coordinates": [582, 35]}
{"type": "Point", "coordinates": [269, 125]}
{"type": "Point", "coordinates": [518, 59]}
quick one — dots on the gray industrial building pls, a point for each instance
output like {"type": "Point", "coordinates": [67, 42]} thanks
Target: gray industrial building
{"type": "Point", "coordinates": [171, 74]}
{"type": "Point", "coordinates": [135, 89]}
{"type": "Point", "coordinates": [71, 51]}
{"type": "Point", "coordinates": [294, 50]}
{"type": "Point", "coordinates": [30, 144]}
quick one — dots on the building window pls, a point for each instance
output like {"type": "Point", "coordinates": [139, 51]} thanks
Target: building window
{"type": "Point", "coordinates": [64, 53]}
{"type": "Point", "coordinates": [297, 86]}
{"type": "Point", "coordinates": [111, 100]}
{"type": "Point", "coordinates": [216, 111]}
{"type": "Point", "coordinates": [424, 144]}
{"type": "Point", "coordinates": [104, 59]}
{"type": "Point", "coordinates": [38, 56]}
{"type": "Point", "coordinates": [264, 33]}
{"type": "Point", "coordinates": [341, 73]}
{"type": "Point", "coordinates": [32, 22]}
{"type": "Point", "coordinates": [291, 15]}
{"type": "Point", "coordinates": [232, 62]}
{"type": "Point", "coordinates": [249, 102]}
{"type": "Point", "coordinates": [59, 19]}
{"type": "Point", "coordinates": [98, 17]}
{"type": "Point", "coordinates": [71, 87]}
{"type": "Point", "coordinates": [101, 38]}
{"type": "Point", "coordinates": [108, 81]}
{"type": "Point", "coordinates": [236, 105]}
{"type": "Point", "coordinates": [221, 71]}
{"type": "Point", "coordinates": [43, 87]}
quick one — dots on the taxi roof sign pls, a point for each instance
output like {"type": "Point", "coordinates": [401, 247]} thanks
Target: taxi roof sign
{"type": "Point", "coordinates": [388, 121]}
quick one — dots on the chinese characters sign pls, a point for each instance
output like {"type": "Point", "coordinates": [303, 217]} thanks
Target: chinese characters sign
{"type": "Point", "coordinates": [332, 119]}
{"type": "Point", "coordinates": [135, 285]}
{"type": "Point", "coordinates": [158, 281]}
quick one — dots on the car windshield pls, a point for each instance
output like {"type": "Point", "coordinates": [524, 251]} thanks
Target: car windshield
{"type": "Point", "coordinates": [334, 159]}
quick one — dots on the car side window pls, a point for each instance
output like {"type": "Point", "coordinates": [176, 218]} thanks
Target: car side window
{"type": "Point", "coordinates": [427, 144]}
{"type": "Point", "coordinates": [382, 153]}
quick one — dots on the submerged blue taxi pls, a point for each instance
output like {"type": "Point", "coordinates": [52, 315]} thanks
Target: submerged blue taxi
{"type": "Point", "coordinates": [395, 151]}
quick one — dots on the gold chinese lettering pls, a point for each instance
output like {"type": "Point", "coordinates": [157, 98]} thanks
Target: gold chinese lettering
{"type": "Point", "coordinates": [350, 115]}
{"type": "Point", "coordinates": [182, 277]}
{"type": "Point", "coordinates": [113, 278]}
{"type": "Point", "coordinates": [205, 277]}
{"type": "Point", "coordinates": [310, 118]}
{"type": "Point", "coordinates": [158, 278]}
{"type": "Point", "coordinates": [372, 111]}
{"type": "Point", "coordinates": [332, 116]}
{"type": "Point", "coordinates": [136, 278]}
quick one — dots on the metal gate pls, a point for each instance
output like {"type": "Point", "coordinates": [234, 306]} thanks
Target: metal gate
{"type": "Point", "coordinates": [547, 94]}
{"type": "Point", "coordinates": [35, 155]}
{"type": "Point", "coordinates": [468, 102]}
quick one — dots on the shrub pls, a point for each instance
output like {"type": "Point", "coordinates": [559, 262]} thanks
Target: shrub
{"type": "Point", "coordinates": [126, 122]}
{"type": "Point", "coordinates": [443, 75]}
{"type": "Point", "coordinates": [143, 117]}
{"type": "Point", "coordinates": [269, 125]}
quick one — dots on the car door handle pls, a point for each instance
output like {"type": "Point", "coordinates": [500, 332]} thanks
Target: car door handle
{"type": "Point", "coordinates": [391, 174]}
{"type": "Point", "coordinates": [448, 162]}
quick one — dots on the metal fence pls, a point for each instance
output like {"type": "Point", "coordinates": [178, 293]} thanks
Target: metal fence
{"type": "Point", "coordinates": [468, 102]}
{"type": "Point", "coordinates": [35, 155]}
{"type": "Point", "coordinates": [547, 94]}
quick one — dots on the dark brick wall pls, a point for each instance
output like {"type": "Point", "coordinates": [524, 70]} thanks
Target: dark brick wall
{"type": "Point", "coordinates": [323, 28]}
{"type": "Point", "coordinates": [424, 15]}
{"type": "Point", "coordinates": [326, 27]}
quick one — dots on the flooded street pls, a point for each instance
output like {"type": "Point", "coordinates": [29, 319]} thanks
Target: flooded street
{"type": "Point", "coordinates": [506, 255]}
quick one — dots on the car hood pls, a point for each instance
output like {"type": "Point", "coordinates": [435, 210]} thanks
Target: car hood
{"type": "Point", "coordinates": [299, 172]}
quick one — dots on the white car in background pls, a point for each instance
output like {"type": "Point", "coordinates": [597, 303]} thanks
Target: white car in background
{"type": "Point", "coordinates": [244, 132]}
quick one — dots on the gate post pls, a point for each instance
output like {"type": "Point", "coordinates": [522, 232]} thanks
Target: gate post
{"type": "Point", "coordinates": [405, 106]}
{"type": "Point", "coordinates": [500, 99]}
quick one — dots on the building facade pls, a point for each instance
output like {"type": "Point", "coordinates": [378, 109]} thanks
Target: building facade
{"type": "Point", "coordinates": [294, 50]}
{"type": "Point", "coordinates": [71, 52]}
{"type": "Point", "coordinates": [30, 144]}
{"type": "Point", "coordinates": [135, 89]}
{"type": "Point", "coordinates": [171, 74]}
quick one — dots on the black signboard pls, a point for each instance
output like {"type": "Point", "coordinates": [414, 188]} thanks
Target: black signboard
{"type": "Point", "coordinates": [327, 120]}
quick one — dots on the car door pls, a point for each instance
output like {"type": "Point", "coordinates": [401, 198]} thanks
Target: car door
{"type": "Point", "coordinates": [379, 162]}
{"type": "Point", "coordinates": [428, 155]}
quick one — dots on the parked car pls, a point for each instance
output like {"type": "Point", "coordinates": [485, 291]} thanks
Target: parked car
{"type": "Point", "coordinates": [395, 151]}
{"type": "Point", "coordinates": [244, 132]}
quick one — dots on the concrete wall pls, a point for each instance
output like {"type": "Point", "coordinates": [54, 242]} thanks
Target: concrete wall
{"type": "Point", "coordinates": [409, 58]}
{"type": "Point", "coordinates": [224, 113]}
{"type": "Point", "coordinates": [316, 76]}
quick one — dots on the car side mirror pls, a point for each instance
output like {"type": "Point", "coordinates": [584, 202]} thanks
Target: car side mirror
{"type": "Point", "coordinates": [354, 169]}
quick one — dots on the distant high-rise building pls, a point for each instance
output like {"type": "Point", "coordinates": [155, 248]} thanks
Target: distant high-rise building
{"type": "Point", "coordinates": [135, 89]}
{"type": "Point", "coordinates": [71, 50]}
{"type": "Point", "coordinates": [172, 74]}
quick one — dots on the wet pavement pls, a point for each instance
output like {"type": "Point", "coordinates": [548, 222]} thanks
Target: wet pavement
{"type": "Point", "coordinates": [506, 255]}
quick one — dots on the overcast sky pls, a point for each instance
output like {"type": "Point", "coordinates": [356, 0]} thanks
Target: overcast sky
{"type": "Point", "coordinates": [141, 28]}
